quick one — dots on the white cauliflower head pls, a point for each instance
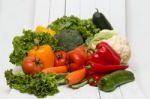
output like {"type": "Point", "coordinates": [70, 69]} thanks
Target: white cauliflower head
{"type": "Point", "coordinates": [121, 46]}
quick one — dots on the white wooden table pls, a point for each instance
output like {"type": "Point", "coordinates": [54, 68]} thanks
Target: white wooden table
{"type": "Point", "coordinates": [47, 11]}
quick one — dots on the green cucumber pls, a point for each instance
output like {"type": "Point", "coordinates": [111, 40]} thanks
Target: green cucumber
{"type": "Point", "coordinates": [100, 21]}
{"type": "Point", "coordinates": [111, 81]}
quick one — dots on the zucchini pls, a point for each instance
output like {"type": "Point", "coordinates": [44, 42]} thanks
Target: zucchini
{"type": "Point", "coordinates": [100, 21]}
{"type": "Point", "coordinates": [111, 81]}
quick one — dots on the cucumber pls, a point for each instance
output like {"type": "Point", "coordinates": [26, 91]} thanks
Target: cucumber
{"type": "Point", "coordinates": [100, 21]}
{"type": "Point", "coordinates": [111, 81]}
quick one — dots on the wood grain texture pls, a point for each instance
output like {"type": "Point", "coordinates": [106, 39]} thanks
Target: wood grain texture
{"type": "Point", "coordinates": [73, 7]}
{"type": "Point", "coordinates": [41, 12]}
{"type": "Point", "coordinates": [117, 15]}
{"type": "Point", "coordinates": [116, 94]}
{"type": "Point", "coordinates": [131, 91]}
{"type": "Point", "coordinates": [56, 9]}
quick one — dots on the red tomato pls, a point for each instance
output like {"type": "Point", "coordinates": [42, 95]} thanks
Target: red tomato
{"type": "Point", "coordinates": [60, 58]}
{"type": "Point", "coordinates": [32, 65]}
{"type": "Point", "coordinates": [75, 60]}
{"type": "Point", "coordinates": [82, 51]}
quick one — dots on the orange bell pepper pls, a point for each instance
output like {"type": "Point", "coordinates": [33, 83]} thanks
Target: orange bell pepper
{"type": "Point", "coordinates": [44, 53]}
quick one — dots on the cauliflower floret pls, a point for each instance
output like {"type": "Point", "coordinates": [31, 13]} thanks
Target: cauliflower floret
{"type": "Point", "coordinates": [121, 46]}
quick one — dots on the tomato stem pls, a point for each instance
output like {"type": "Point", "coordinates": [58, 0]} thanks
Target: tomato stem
{"type": "Point", "coordinates": [37, 61]}
{"type": "Point", "coordinates": [59, 57]}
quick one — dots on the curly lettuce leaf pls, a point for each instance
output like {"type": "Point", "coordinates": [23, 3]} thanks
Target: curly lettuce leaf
{"type": "Point", "coordinates": [85, 27]}
{"type": "Point", "coordinates": [22, 44]}
{"type": "Point", "coordinates": [40, 84]}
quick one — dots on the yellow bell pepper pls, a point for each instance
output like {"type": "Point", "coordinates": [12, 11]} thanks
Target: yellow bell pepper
{"type": "Point", "coordinates": [44, 29]}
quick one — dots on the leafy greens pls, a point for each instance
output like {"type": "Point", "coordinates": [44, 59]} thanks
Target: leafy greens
{"type": "Point", "coordinates": [85, 27]}
{"type": "Point", "coordinates": [22, 44]}
{"type": "Point", "coordinates": [40, 84]}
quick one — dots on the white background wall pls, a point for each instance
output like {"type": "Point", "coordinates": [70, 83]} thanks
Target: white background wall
{"type": "Point", "coordinates": [138, 32]}
{"type": "Point", "coordinates": [14, 16]}
{"type": "Point", "coordinates": [17, 15]}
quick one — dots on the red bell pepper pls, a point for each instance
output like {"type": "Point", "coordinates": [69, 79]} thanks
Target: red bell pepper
{"type": "Point", "coordinates": [93, 68]}
{"type": "Point", "coordinates": [97, 59]}
{"type": "Point", "coordinates": [110, 56]}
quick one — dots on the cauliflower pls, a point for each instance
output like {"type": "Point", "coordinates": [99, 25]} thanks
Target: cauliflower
{"type": "Point", "coordinates": [116, 41]}
{"type": "Point", "coordinates": [121, 46]}
{"type": "Point", "coordinates": [102, 35]}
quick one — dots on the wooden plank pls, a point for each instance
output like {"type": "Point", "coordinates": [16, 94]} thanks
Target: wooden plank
{"type": "Point", "coordinates": [64, 93]}
{"type": "Point", "coordinates": [117, 15]}
{"type": "Point", "coordinates": [116, 94]}
{"type": "Point", "coordinates": [41, 12]}
{"type": "Point", "coordinates": [73, 7]}
{"type": "Point", "coordinates": [56, 10]}
{"type": "Point", "coordinates": [87, 8]}
{"type": "Point", "coordinates": [86, 92]}
{"type": "Point", "coordinates": [131, 91]}
{"type": "Point", "coordinates": [103, 6]}
{"type": "Point", "coordinates": [14, 94]}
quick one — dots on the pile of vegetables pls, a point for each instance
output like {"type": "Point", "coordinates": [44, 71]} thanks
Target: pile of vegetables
{"type": "Point", "coordinates": [71, 52]}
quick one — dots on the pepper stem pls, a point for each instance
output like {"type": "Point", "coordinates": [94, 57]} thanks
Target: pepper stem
{"type": "Point", "coordinates": [96, 9]}
{"type": "Point", "coordinates": [91, 80]}
{"type": "Point", "coordinates": [88, 67]}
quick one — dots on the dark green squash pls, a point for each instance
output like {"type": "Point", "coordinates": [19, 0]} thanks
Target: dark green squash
{"type": "Point", "coordinates": [111, 81]}
{"type": "Point", "coordinates": [101, 21]}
